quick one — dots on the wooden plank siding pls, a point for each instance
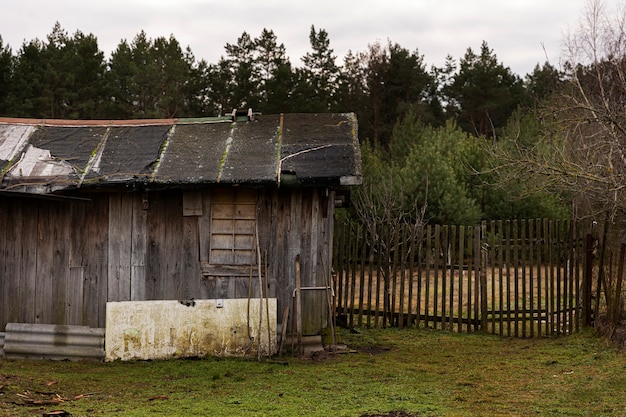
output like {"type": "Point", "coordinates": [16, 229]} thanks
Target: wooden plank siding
{"type": "Point", "coordinates": [61, 261]}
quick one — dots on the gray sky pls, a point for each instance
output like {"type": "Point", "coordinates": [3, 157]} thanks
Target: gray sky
{"type": "Point", "coordinates": [517, 30]}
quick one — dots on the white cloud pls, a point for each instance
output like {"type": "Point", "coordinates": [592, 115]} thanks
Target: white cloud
{"type": "Point", "coordinates": [516, 30]}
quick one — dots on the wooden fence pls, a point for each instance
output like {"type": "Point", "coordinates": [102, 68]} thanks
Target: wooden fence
{"type": "Point", "coordinates": [512, 278]}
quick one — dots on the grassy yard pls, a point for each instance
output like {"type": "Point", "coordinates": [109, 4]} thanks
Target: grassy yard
{"type": "Point", "coordinates": [387, 372]}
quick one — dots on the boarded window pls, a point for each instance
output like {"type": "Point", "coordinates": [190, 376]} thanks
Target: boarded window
{"type": "Point", "coordinates": [233, 218]}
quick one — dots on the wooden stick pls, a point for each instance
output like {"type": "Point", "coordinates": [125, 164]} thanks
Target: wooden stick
{"type": "Point", "coordinates": [267, 309]}
{"type": "Point", "coordinates": [283, 330]}
{"type": "Point", "coordinates": [258, 253]}
{"type": "Point", "coordinates": [331, 316]}
{"type": "Point", "coordinates": [298, 306]}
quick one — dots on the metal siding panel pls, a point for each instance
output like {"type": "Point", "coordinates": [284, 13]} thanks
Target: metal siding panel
{"type": "Point", "coordinates": [50, 341]}
{"type": "Point", "coordinates": [13, 139]}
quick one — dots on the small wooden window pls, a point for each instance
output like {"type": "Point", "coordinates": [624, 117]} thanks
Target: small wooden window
{"type": "Point", "coordinates": [233, 225]}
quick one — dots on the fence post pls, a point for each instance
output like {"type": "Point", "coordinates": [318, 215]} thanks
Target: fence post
{"type": "Point", "coordinates": [484, 311]}
{"type": "Point", "coordinates": [587, 279]}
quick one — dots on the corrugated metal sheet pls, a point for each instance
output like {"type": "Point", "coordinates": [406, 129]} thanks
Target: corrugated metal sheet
{"type": "Point", "coordinates": [47, 156]}
{"type": "Point", "coordinates": [50, 341]}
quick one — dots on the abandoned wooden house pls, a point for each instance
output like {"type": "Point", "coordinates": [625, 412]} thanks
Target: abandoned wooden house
{"type": "Point", "coordinates": [93, 212]}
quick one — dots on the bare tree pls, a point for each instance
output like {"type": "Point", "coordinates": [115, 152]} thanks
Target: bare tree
{"type": "Point", "coordinates": [582, 146]}
{"type": "Point", "coordinates": [394, 229]}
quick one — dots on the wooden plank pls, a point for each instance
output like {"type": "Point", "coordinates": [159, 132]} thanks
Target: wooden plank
{"type": "Point", "coordinates": [61, 271]}
{"type": "Point", "coordinates": [452, 245]}
{"type": "Point", "coordinates": [558, 266]}
{"type": "Point", "coordinates": [421, 257]}
{"type": "Point", "coordinates": [120, 246]}
{"type": "Point", "coordinates": [429, 260]}
{"type": "Point", "coordinates": [461, 262]}
{"type": "Point", "coordinates": [155, 230]}
{"type": "Point", "coordinates": [379, 263]}
{"type": "Point", "coordinates": [138, 246]}
{"type": "Point", "coordinates": [523, 258]}
{"type": "Point", "coordinates": [414, 235]}
{"type": "Point", "coordinates": [78, 258]}
{"type": "Point", "coordinates": [515, 248]}
{"type": "Point", "coordinates": [340, 238]}
{"type": "Point", "coordinates": [500, 233]}
{"type": "Point", "coordinates": [74, 293]}
{"type": "Point", "coordinates": [539, 275]}
{"type": "Point", "coordinates": [483, 279]}
{"type": "Point", "coordinates": [370, 278]}
{"type": "Point", "coordinates": [353, 270]}
{"type": "Point", "coordinates": [445, 262]}
{"type": "Point", "coordinates": [579, 292]}
{"type": "Point", "coordinates": [362, 277]}
{"type": "Point", "coordinates": [99, 261]}
{"type": "Point", "coordinates": [316, 309]}
{"type": "Point", "coordinates": [204, 229]}
{"type": "Point", "coordinates": [478, 266]}
{"type": "Point", "coordinates": [404, 280]}
{"type": "Point", "coordinates": [191, 275]}
{"type": "Point", "coordinates": [44, 294]}
{"type": "Point", "coordinates": [387, 271]}
{"type": "Point", "coordinates": [531, 280]}
{"type": "Point", "coordinates": [4, 283]}
{"type": "Point", "coordinates": [437, 268]}
{"type": "Point", "coordinates": [507, 261]}
{"type": "Point", "coordinates": [546, 276]}
{"type": "Point", "coordinates": [568, 273]}
{"type": "Point", "coordinates": [192, 203]}
{"type": "Point", "coordinates": [28, 279]}
{"type": "Point", "coordinates": [493, 268]}
{"type": "Point", "coordinates": [172, 280]}
{"type": "Point", "coordinates": [392, 278]}
{"type": "Point", "coordinates": [471, 277]}
{"type": "Point", "coordinates": [550, 283]}
{"type": "Point", "coordinates": [13, 261]}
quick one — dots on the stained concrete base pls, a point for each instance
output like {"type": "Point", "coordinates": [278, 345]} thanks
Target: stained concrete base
{"type": "Point", "coordinates": [164, 329]}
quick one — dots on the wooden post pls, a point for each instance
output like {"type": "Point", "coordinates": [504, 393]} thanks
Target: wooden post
{"type": "Point", "coordinates": [483, 279]}
{"type": "Point", "coordinates": [283, 330]}
{"type": "Point", "coordinates": [588, 279]}
{"type": "Point", "coordinates": [615, 304]}
{"type": "Point", "coordinates": [298, 306]}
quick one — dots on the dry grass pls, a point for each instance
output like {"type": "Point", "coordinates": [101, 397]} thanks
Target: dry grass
{"type": "Point", "coordinates": [455, 293]}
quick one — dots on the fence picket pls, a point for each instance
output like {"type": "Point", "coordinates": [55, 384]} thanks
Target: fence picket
{"type": "Point", "coordinates": [512, 278]}
{"type": "Point", "coordinates": [428, 263]}
{"type": "Point", "coordinates": [461, 270]}
{"type": "Point", "coordinates": [531, 268]}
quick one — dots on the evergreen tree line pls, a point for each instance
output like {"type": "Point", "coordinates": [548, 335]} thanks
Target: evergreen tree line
{"type": "Point", "coordinates": [422, 129]}
{"type": "Point", "coordinates": [67, 76]}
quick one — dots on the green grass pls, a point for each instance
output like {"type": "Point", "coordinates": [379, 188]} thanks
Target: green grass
{"type": "Point", "coordinates": [421, 372]}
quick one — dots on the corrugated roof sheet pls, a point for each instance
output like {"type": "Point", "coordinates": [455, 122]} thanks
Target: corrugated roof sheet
{"type": "Point", "coordinates": [45, 156]}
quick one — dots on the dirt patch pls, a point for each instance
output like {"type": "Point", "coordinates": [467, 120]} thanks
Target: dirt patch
{"type": "Point", "coordinates": [392, 414]}
{"type": "Point", "coordinates": [375, 350]}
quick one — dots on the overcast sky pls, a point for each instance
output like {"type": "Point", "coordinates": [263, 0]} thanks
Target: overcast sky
{"type": "Point", "coordinates": [521, 32]}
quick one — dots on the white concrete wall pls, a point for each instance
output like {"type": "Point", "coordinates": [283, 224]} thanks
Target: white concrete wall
{"type": "Point", "coordinates": [164, 329]}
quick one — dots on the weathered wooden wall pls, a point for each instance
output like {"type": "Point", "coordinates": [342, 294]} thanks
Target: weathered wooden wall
{"type": "Point", "coordinates": [61, 261]}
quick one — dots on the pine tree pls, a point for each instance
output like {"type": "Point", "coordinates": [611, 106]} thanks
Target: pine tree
{"type": "Point", "coordinates": [483, 93]}
{"type": "Point", "coordinates": [6, 73]}
{"type": "Point", "coordinates": [317, 80]}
